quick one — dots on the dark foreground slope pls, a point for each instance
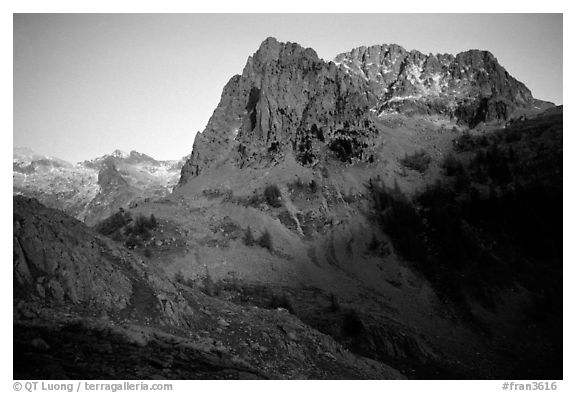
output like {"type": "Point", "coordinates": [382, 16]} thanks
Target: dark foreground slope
{"type": "Point", "coordinates": [488, 237]}
{"type": "Point", "coordinates": [87, 308]}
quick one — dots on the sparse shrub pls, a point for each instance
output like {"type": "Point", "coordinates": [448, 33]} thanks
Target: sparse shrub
{"type": "Point", "coordinates": [464, 142]}
{"type": "Point", "coordinates": [462, 181]}
{"type": "Point", "coordinates": [451, 165]}
{"type": "Point", "coordinates": [347, 149]}
{"type": "Point", "coordinates": [282, 301]}
{"type": "Point", "coordinates": [117, 236]}
{"type": "Point", "coordinates": [249, 237]}
{"type": "Point", "coordinates": [334, 303]}
{"type": "Point", "coordinates": [132, 242]}
{"type": "Point", "coordinates": [352, 325]}
{"type": "Point", "coordinates": [229, 228]}
{"type": "Point", "coordinates": [113, 224]}
{"type": "Point", "coordinates": [298, 184]}
{"type": "Point", "coordinates": [374, 244]}
{"type": "Point", "coordinates": [141, 227]}
{"type": "Point", "coordinates": [287, 220]}
{"type": "Point", "coordinates": [212, 193]}
{"type": "Point", "coordinates": [378, 248]}
{"type": "Point", "coordinates": [400, 221]}
{"type": "Point", "coordinates": [419, 161]}
{"type": "Point", "coordinates": [253, 200]}
{"type": "Point", "coordinates": [273, 195]}
{"type": "Point", "coordinates": [179, 277]}
{"type": "Point", "coordinates": [208, 285]}
{"type": "Point", "coordinates": [348, 246]}
{"type": "Point", "coordinates": [313, 186]}
{"type": "Point", "coordinates": [349, 198]}
{"type": "Point", "coordinates": [265, 240]}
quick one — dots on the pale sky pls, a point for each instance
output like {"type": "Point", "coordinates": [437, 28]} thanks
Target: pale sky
{"type": "Point", "coordinates": [87, 84]}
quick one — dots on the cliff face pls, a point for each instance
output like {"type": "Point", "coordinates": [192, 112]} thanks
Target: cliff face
{"type": "Point", "coordinates": [289, 101]}
{"type": "Point", "coordinates": [471, 86]}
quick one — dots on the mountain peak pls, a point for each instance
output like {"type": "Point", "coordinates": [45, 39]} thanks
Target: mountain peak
{"type": "Point", "coordinates": [471, 86]}
{"type": "Point", "coordinates": [269, 42]}
{"type": "Point", "coordinates": [271, 50]}
{"type": "Point", "coordinates": [289, 101]}
{"type": "Point", "coordinates": [25, 160]}
{"type": "Point", "coordinates": [120, 154]}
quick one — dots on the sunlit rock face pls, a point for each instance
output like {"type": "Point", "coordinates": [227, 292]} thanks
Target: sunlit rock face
{"type": "Point", "coordinates": [289, 101]}
{"type": "Point", "coordinates": [471, 86]}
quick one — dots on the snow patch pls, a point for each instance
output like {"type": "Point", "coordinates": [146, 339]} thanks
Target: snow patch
{"type": "Point", "coordinates": [404, 98]}
{"type": "Point", "coordinates": [120, 154]}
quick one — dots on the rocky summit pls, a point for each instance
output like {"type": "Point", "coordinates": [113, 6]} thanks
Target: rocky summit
{"type": "Point", "coordinates": [471, 86]}
{"type": "Point", "coordinates": [289, 101]}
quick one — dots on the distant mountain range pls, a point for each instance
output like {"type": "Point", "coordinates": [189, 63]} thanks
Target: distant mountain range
{"type": "Point", "coordinates": [92, 189]}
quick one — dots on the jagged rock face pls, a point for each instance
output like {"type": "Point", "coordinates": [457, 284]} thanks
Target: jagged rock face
{"type": "Point", "coordinates": [109, 178]}
{"type": "Point", "coordinates": [115, 192]}
{"type": "Point", "coordinates": [58, 260]}
{"type": "Point", "coordinates": [287, 100]}
{"type": "Point", "coordinates": [471, 86]}
{"type": "Point", "coordinates": [121, 158]}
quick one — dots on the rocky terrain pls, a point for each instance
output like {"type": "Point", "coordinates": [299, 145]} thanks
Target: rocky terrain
{"type": "Point", "coordinates": [470, 87]}
{"type": "Point", "coordinates": [86, 308]}
{"type": "Point", "coordinates": [92, 190]}
{"type": "Point", "coordinates": [386, 215]}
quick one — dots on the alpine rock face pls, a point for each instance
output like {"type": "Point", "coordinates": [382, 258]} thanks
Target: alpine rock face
{"type": "Point", "coordinates": [289, 101]}
{"type": "Point", "coordinates": [471, 86]}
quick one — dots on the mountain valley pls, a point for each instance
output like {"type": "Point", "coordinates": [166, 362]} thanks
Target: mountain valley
{"type": "Point", "coordinates": [385, 215]}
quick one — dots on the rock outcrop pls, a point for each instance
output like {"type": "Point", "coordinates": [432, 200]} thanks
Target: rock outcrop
{"type": "Point", "coordinates": [289, 101]}
{"type": "Point", "coordinates": [471, 86]}
{"type": "Point", "coordinates": [60, 261]}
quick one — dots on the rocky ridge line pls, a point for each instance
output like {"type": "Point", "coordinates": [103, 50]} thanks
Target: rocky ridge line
{"type": "Point", "coordinates": [289, 101]}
